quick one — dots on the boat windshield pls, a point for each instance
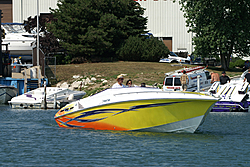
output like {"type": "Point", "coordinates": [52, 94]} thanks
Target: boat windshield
{"type": "Point", "coordinates": [14, 28]}
{"type": "Point", "coordinates": [208, 75]}
{"type": "Point", "coordinates": [173, 54]}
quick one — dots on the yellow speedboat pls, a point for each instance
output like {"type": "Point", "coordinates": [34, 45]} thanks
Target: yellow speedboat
{"type": "Point", "coordinates": [137, 109]}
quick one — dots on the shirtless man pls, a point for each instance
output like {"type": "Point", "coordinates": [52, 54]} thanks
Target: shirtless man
{"type": "Point", "coordinates": [214, 77]}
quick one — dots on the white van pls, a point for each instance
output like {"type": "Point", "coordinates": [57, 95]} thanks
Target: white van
{"type": "Point", "coordinates": [172, 80]}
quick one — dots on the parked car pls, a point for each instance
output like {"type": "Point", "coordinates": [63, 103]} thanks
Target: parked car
{"type": "Point", "coordinates": [210, 61]}
{"type": "Point", "coordinates": [173, 58]}
{"type": "Point", "coordinates": [198, 61]}
{"type": "Point", "coordinates": [205, 61]}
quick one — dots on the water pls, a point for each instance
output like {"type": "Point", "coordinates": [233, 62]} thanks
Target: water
{"type": "Point", "coordinates": [32, 138]}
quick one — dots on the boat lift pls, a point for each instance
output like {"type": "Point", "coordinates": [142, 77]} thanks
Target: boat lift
{"type": "Point", "coordinates": [23, 81]}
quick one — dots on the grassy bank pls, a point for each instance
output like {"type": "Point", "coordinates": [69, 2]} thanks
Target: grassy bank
{"type": "Point", "coordinates": [139, 72]}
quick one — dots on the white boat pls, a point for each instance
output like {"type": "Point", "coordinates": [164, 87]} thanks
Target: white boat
{"type": "Point", "coordinates": [172, 80]}
{"type": "Point", "coordinates": [18, 40]}
{"type": "Point", "coordinates": [234, 95]}
{"type": "Point", "coordinates": [55, 98]}
{"type": "Point", "coordinates": [173, 58]}
{"type": "Point", "coordinates": [138, 109]}
{"type": "Point", "coordinates": [7, 93]}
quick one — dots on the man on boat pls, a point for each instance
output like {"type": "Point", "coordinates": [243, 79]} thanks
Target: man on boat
{"type": "Point", "coordinates": [119, 82]}
{"type": "Point", "coordinates": [184, 81]}
{"type": "Point", "coordinates": [224, 78]}
{"type": "Point", "coordinates": [247, 76]}
{"type": "Point", "coordinates": [214, 77]}
{"type": "Point", "coordinates": [246, 65]}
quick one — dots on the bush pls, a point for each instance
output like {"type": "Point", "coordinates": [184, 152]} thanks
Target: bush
{"type": "Point", "coordinates": [237, 62]}
{"type": "Point", "coordinates": [141, 49]}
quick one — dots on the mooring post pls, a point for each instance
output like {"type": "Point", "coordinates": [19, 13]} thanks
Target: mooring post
{"type": "Point", "coordinates": [44, 99]}
{"type": "Point", "coordinates": [39, 77]}
{"type": "Point", "coordinates": [55, 105]}
{"type": "Point", "coordinates": [25, 81]}
{"type": "Point", "coordinates": [198, 83]}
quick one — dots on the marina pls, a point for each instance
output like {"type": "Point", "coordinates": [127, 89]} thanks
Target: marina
{"type": "Point", "coordinates": [189, 117]}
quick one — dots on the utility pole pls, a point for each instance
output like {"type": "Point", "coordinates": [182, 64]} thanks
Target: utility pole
{"type": "Point", "coordinates": [37, 46]}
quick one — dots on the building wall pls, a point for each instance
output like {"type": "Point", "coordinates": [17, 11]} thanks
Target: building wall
{"type": "Point", "coordinates": [23, 9]}
{"type": "Point", "coordinates": [165, 20]}
{"type": "Point", "coordinates": [6, 7]}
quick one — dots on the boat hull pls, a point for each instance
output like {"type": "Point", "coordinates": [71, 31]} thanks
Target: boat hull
{"type": "Point", "coordinates": [154, 115]}
{"type": "Point", "coordinates": [7, 93]}
{"type": "Point", "coordinates": [230, 106]}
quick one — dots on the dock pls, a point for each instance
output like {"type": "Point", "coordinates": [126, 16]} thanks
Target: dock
{"type": "Point", "coordinates": [25, 81]}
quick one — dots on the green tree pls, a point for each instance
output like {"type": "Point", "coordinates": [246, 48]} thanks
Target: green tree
{"type": "Point", "coordinates": [88, 28]}
{"type": "Point", "coordinates": [48, 42]}
{"type": "Point", "coordinates": [221, 28]}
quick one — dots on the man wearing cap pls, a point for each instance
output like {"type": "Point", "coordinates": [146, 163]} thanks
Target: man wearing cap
{"type": "Point", "coordinates": [119, 82]}
{"type": "Point", "coordinates": [224, 78]}
{"type": "Point", "coordinates": [247, 76]}
{"type": "Point", "coordinates": [214, 77]}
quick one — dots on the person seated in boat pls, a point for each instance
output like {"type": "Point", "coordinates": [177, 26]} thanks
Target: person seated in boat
{"type": "Point", "coordinates": [129, 83]}
{"type": "Point", "coordinates": [214, 77]}
{"type": "Point", "coordinates": [224, 78]}
{"type": "Point", "coordinates": [247, 76]}
{"type": "Point", "coordinates": [143, 85]}
{"type": "Point", "coordinates": [119, 83]}
{"type": "Point", "coordinates": [184, 81]}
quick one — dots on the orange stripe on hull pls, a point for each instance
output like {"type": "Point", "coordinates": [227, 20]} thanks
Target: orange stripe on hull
{"type": "Point", "coordinates": [88, 125]}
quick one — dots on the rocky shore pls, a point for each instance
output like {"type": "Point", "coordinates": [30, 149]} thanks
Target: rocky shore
{"type": "Point", "coordinates": [90, 84]}
{"type": "Point", "coordinates": [82, 82]}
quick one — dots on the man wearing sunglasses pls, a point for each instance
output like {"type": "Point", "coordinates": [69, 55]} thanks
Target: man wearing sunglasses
{"type": "Point", "coordinates": [119, 82]}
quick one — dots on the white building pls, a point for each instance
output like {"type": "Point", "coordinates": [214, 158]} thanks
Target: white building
{"type": "Point", "coordinates": [165, 20]}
